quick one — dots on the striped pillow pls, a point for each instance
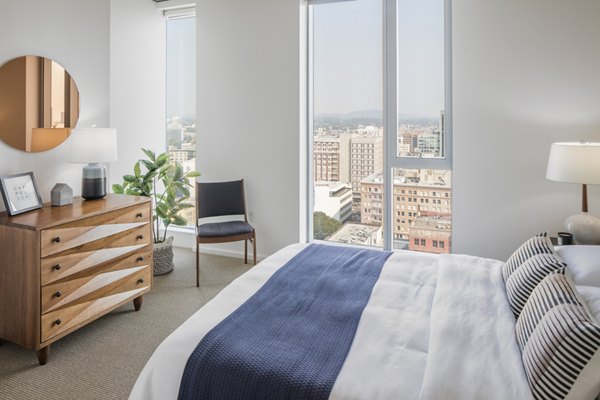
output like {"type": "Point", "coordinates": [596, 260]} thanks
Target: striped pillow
{"type": "Point", "coordinates": [539, 244]}
{"type": "Point", "coordinates": [560, 342]}
{"type": "Point", "coordinates": [524, 279]}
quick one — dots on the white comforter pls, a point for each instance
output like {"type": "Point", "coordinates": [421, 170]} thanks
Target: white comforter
{"type": "Point", "coordinates": [435, 327]}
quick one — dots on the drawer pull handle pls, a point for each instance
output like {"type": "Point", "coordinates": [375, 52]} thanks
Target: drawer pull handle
{"type": "Point", "coordinates": [140, 237]}
{"type": "Point", "coordinates": [140, 281]}
{"type": "Point", "coordinates": [140, 259]}
{"type": "Point", "coordinates": [58, 294]}
{"type": "Point", "coordinates": [57, 322]}
{"type": "Point", "coordinates": [56, 239]}
{"type": "Point", "coordinates": [139, 215]}
{"type": "Point", "coordinates": [57, 267]}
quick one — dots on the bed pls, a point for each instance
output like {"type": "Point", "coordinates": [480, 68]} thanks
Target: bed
{"type": "Point", "coordinates": [434, 327]}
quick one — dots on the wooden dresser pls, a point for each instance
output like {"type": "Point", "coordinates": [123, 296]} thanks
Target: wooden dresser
{"type": "Point", "coordinates": [63, 267]}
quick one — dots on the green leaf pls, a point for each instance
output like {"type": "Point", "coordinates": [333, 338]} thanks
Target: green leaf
{"type": "Point", "coordinates": [192, 174]}
{"type": "Point", "coordinates": [130, 178]}
{"type": "Point", "coordinates": [179, 220]}
{"type": "Point", "coordinates": [163, 158]}
{"type": "Point", "coordinates": [149, 154]}
{"type": "Point", "coordinates": [178, 174]}
{"type": "Point", "coordinates": [185, 205]}
{"type": "Point", "coordinates": [161, 213]}
{"type": "Point", "coordinates": [137, 170]}
{"type": "Point", "coordinates": [118, 189]}
{"type": "Point", "coordinates": [149, 165]}
{"type": "Point", "coordinates": [184, 191]}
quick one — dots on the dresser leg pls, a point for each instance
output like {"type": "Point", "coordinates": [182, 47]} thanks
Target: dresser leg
{"type": "Point", "coordinates": [137, 303]}
{"type": "Point", "coordinates": [43, 354]}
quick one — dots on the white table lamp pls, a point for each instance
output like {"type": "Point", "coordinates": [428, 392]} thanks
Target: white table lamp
{"type": "Point", "coordinates": [578, 162]}
{"type": "Point", "coordinates": [93, 146]}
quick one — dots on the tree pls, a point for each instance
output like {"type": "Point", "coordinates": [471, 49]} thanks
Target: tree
{"type": "Point", "coordinates": [324, 226]}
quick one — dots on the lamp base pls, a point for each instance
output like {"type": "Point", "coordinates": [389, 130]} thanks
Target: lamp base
{"type": "Point", "coordinates": [93, 182]}
{"type": "Point", "coordinates": [584, 227]}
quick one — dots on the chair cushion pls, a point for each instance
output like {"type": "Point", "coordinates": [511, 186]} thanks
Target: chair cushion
{"type": "Point", "coordinates": [229, 228]}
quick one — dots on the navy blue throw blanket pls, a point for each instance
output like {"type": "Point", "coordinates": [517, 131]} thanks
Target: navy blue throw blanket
{"type": "Point", "coordinates": [290, 339]}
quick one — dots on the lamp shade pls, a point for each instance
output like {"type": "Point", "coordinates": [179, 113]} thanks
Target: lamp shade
{"type": "Point", "coordinates": [93, 145]}
{"type": "Point", "coordinates": [574, 162]}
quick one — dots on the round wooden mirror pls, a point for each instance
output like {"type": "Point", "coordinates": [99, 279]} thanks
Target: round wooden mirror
{"type": "Point", "coordinates": [39, 103]}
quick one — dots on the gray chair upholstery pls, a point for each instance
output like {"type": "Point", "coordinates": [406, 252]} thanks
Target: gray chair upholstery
{"type": "Point", "coordinates": [229, 228]}
{"type": "Point", "coordinates": [217, 199]}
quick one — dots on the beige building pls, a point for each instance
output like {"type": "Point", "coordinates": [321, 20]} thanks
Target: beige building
{"type": "Point", "coordinates": [417, 193]}
{"type": "Point", "coordinates": [366, 158]}
{"type": "Point", "coordinates": [331, 154]}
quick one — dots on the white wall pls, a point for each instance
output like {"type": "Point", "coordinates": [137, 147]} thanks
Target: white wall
{"type": "Point", "coordinates": [75, 34]}
{"type": "Point", "coordinates": [526, 74]}
{"type": "Point", "coordinates": [248, 92]}
{"type": "Point", "coordinates": [137, 81]}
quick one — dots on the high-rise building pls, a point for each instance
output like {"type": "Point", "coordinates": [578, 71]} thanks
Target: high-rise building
{"type": "Point", "coordinates": [417, 194]}
{"type": "Point", "coordinates": [430, 145]}
{"type": "Point", "coordinates": [331, 154]}
{"type": "Point", "coordinates": [366, 158]}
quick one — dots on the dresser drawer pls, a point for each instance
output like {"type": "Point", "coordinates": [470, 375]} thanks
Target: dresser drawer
{"type": "Point", "coordinates": [73, 316]}
{"type": "Point", "coordinates": [87, 238]}
{"type": "Point", "coordinates": [77, 265]}
{"type": "Point", "coordinates": [64, 294]}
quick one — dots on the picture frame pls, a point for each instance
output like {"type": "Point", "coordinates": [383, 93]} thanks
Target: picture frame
{"type": "Point", "coordinates": [20, 193]}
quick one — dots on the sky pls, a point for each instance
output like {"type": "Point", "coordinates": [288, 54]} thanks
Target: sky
{"type": "Point", "coordinates": [348, 56]}
{"type": "Point", "coordinates": [181, 67]}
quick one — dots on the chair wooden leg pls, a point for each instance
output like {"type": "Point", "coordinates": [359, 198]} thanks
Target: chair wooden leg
{"type": "Point", "coordinates": [254, 248]}
{"type": "Point", "coordinates": [197, 264]}
{"type": "Point", "coordinates": [246, 251]}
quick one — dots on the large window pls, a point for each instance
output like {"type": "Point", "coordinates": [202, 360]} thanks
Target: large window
{"type": "Point", "coordinates": [381, 143]}
{"type": "Point", "coordinates": [181, 95]}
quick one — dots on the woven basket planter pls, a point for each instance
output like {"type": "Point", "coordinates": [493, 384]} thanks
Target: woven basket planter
{"type": "Point", "coordinates": [163, 257]}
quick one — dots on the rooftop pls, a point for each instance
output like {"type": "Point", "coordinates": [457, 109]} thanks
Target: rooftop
{"type": "Point", "coordinates": [355, 233]}
{"type": "Point", "coordinates": [423, 178]}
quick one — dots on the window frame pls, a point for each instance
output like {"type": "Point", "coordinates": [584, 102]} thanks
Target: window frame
{"type": "Point", "coordinates": [391, 160]}
{"type": "Point", "coordinates": [175, 13]}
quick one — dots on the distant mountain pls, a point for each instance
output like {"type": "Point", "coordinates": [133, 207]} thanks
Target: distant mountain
{"type": "Point", "coordinates": [367, 114]}
{"type": "Point", "coordinates": [367, 117]}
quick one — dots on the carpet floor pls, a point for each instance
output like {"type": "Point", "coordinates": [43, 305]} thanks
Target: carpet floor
{"type": "Point", "coordinates": [103, 359]}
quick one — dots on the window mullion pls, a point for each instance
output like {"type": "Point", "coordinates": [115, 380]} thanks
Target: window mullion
{"type": "Point", "coordinates": [390, 115]}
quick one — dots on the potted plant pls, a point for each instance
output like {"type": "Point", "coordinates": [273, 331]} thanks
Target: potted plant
{"type": "Point", "coordinates": [169, 187]}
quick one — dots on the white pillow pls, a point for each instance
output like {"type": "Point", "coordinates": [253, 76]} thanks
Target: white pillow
{"type": "Point", "coordinates": [591, 296]}
{"type": "Point", "coordinates": [583, 264]}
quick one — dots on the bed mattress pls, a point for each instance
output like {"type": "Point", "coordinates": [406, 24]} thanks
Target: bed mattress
{"type": "Point", "coordinates": [435, 327]}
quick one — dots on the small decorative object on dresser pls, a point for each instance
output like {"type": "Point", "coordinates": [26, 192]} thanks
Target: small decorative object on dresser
{"type": "Point", "coordinates": [61, 195]}
{"type": "Point", "coordinates": [169, 201]}
{"type": "Point", "coordinates": [62, 268]}
{"type": "Point", "coordinates": [20, 193]}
